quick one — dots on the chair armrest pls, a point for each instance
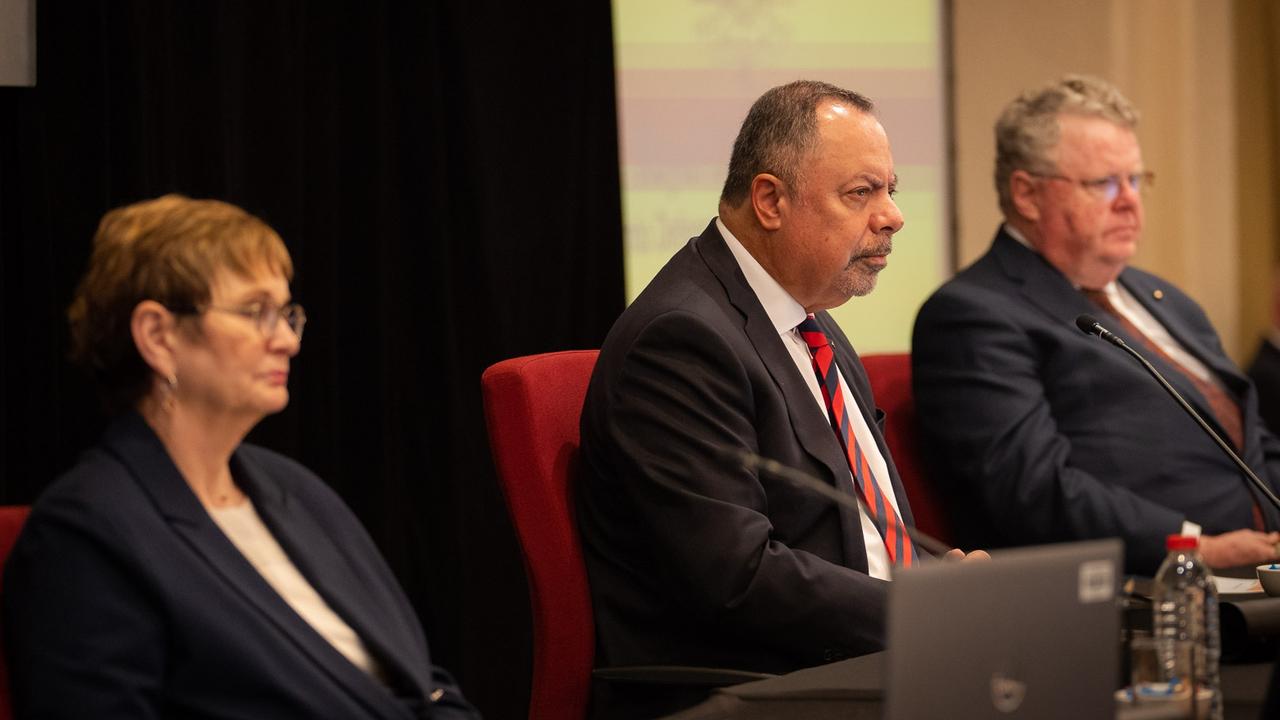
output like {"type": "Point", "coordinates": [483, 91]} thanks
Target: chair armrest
{"type": "Point", "coordinates": [678, 675]}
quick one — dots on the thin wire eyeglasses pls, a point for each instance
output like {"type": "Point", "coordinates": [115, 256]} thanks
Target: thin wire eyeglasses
{"type": "Point", "coordinates": [264, 315]}
{"type": "Point", "coordinates": [1108, 188]}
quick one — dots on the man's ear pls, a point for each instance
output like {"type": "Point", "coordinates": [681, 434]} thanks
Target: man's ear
{"type": "Point", "coordinates": [153, 326]}
{"type": "Point", "coordinates": [1025, 194]}
{"type": "Point", "coordinates": [768, 200]}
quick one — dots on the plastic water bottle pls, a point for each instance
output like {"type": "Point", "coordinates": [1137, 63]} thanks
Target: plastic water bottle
{"type": "Point", "coordinates": [1185, 607]}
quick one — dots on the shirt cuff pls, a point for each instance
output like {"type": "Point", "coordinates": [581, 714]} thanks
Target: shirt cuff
{"type": "Point", "coordinates": [1190, 528]}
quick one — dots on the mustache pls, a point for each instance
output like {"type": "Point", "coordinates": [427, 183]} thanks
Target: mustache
{"type": "Point", "coordinates": [884, 247]}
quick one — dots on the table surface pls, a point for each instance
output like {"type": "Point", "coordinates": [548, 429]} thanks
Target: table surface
{"type": "Point", "coordinates": [853, 690]}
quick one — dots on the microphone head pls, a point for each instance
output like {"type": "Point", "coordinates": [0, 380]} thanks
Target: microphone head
{"type": "Point", "coordinates": [1088, 324]}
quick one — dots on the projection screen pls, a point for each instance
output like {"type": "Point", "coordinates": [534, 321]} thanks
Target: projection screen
{"type": "Point", "coordinates": [687, 72]}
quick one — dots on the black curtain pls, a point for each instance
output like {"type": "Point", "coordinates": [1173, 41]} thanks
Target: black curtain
{"type": "Point", "coordinates": [445, 175]}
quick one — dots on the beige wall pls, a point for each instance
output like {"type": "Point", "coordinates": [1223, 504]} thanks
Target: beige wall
{"type": "Point", "coordinates": [1257, 33]}
{"type": "Point", "coordinates": [1176, 60]}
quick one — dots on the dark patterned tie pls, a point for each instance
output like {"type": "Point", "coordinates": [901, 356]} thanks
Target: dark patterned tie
{"type": "Point", "coordinates": [1224, 407]}
{"type": "Point", "coordinates": [892, 531]}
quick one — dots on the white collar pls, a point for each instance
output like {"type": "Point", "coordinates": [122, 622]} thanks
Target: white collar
{"type": "Point", "coordinates": [1111, 289]}
{"type": "Point", "coordinates": [1012, 232]}
{"type": "Point", "coordinates": [783, 310]}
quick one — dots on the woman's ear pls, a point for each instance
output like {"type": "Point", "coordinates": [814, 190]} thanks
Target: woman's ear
{"type": "Point", "coordinates": [153, 326]}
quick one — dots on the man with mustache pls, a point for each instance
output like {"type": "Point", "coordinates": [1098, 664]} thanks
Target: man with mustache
{"type": "Point", "coordinates": [1044, 434]}
{"type": "Point", "coordinates": [692, 558]}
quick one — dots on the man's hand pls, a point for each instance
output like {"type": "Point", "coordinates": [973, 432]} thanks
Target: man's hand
{"type": "Point", "coordinates": [1239, 547]}
{"type": "Point", "coordinates": [958, 554]}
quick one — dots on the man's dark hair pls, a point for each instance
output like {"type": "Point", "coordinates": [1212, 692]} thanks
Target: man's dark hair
{"type": "Point", "coordinates": [779, 131]}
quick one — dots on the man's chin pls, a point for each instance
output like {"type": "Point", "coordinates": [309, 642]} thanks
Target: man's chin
{"type": "Point", "coordinates": [1121, 253]}
{"type": "Point", "coordinates": [1123, 238]}
{"type": "Point", "coordinates": [860, 286]}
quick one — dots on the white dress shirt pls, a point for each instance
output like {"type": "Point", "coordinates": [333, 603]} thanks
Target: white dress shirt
{"type": "Point", "coordinates": [244, 528]}
{"type": "Point", "coordinates": [785, 314]}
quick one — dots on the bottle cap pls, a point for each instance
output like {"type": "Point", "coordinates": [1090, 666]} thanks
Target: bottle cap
{"type": "Point", "coordinates": [1181, 542]}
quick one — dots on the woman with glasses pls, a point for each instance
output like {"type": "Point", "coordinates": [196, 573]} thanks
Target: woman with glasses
{"type": "Point", "coordinates": [176, 571]}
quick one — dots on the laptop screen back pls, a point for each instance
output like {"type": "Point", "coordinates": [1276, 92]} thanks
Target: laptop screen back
{"type": "Point", "coordinates": [1032, 634]}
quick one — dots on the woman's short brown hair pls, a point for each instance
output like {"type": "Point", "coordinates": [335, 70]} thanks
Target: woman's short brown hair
{"type": "Point", "coordinates": [169, 250]}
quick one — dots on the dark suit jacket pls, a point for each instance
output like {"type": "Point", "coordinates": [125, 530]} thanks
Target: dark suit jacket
{"type": "Point", "coordinates": [1046, 434]}
{"type": "Point", "coordinates": [1265, 374]}
{"type": "Point", "coordinates": [692, 559]}
{"type": "Point", "coordinates": [123, 599]}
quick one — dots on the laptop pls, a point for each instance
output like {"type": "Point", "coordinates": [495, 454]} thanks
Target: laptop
{"type": "Point", "coordinates": [1032, 634]}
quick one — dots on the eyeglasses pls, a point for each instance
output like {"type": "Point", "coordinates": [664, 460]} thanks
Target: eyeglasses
{"type": "Point", "coordinates": [1108, 188]}
{"type": "Point", "coordinates": [264, 315]}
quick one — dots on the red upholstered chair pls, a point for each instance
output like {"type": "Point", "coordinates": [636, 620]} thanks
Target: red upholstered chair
{"type": "Point", "coordinates": [11, 519]}
{"type": "Point", "coordinates": [891, 384]}
{"type": "Point", "coordinates": [532, 405]}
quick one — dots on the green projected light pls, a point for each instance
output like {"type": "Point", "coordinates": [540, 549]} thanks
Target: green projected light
{"type": "Point", "coordinates": [688, 70]}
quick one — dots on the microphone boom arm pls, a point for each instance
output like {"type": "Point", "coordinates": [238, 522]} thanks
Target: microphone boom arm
{"type": "Point", "coordinates": [852, 501]}
{"type": "Point", "coordinates": [1090, 326]}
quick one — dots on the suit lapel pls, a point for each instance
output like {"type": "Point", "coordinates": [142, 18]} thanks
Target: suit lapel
{"type": "Point", "coordinates": [1040, 284]}
{"type": "Point", "coordinates": [1045, 287]}
{"type": "Point", "coordinates": [808, 422]}
{"type": "Point", "coordinates": [138, 448]}
{"type": "Point", "coordinates": [810, 425]}
{"type": "Point", "coordinates": [334, 575]}
{"type": "Point", "coordinates": [1236, 385]}
{"type": "Point", "coordinates": [1150, 296]}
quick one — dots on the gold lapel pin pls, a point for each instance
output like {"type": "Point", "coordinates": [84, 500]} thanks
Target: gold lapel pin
{"type": "Point", "coordinates": [1157, 294]}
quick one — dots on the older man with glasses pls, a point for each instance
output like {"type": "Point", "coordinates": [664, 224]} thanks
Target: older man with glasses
{"type": "Point", "coordinates": [1042, 433]}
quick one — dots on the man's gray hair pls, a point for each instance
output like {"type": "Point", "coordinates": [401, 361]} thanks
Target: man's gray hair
{"type": "Point", "coordinates": [780, 130]}
{"type": "Point", "coordinates": [1027, 130]}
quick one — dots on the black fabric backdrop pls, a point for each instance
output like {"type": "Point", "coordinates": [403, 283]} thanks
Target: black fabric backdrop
{"type": "Point", "coordinates": [445, 175]}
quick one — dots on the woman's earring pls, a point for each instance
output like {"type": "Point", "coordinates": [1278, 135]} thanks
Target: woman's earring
{"type": "Point", "coordinates": [171, 391]}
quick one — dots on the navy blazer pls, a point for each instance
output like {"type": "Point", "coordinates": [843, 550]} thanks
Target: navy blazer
{"type": "Point", "coordinates": [692, 559]}
{"type": "Point", "coordinates": [1045, 434]}
{"type": "Point", "coordinates": [123, 599]}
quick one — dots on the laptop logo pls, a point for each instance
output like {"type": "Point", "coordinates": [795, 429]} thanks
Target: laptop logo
{"type": "Point", "coordinates": [1006, 693]}
{"type": "Point", "coordinates": [1097, 581]}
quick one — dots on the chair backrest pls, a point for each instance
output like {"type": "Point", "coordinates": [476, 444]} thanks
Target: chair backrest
{"type": "Point", "coordinates": [890, 376]}
{"type": "Point", "coordinates": [532, 405]}
{"type": "Point", "coordinates": [11, 519]}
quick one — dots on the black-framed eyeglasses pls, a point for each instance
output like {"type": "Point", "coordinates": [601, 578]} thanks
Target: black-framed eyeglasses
{"type": "Point", "coordinates": [264, 315]}
{"type": "Point", "coordinates": [1108, 188]}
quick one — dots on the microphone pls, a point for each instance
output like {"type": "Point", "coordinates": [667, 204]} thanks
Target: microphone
{"type": "Point", "coordinates": [1089, 326]}
{"type": "Point", "coordinates": [752, 461]}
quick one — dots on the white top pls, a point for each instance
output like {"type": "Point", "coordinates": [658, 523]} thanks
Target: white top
{"type": "Point", "coordinates": [785, 314]}
{"type": "Point", "coordinates": [250, 535]}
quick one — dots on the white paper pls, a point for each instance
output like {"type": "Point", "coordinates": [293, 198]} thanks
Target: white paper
{"type": "Point", "coordinates": [1237, 586]}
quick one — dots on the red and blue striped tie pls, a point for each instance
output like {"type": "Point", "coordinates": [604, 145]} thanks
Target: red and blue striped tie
{"type": "Point", "coordinates": [896, 541]}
